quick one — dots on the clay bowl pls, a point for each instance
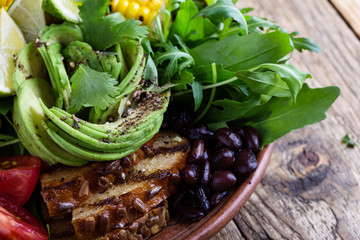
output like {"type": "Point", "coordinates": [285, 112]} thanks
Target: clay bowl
{"type": "Point", "coordinates": [220, 216]}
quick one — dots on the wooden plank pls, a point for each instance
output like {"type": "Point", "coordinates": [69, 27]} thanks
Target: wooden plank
{"type": "Point", "coordinates": [311, 189]}
{"type": "Point", "coordinates": [350, 10]}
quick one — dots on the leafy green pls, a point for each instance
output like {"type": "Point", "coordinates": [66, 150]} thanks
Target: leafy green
{"type": "Point", "coordinates": [6, 140]}
{"type": "Point", "coordinates": [238, 53]}
{"type": "Point", "coordinates": [197, 94]}
{"type": "Point", "coordinates": [268, 83]}
{"type": "Point", "coordinates": [103, 32]}
{"type": "Point", "coordinates": [255, 23]}
{"type": "Point", "coordinates": [223, 9]}
{"type": "Point", "coordinates": [301, 44]}
{"type": "Point", "coordinates": [184, 26]}
{"type": "Point", "coordinates": [91, 88]}
{"type": "Point", "coordinates": [279, 116]}
{"type": "Point", "coordinates": [290, 74]}
{"type": "Point", "coordinates": [173, 55]}
{"type": "Point", "coordinates": [349, 143]}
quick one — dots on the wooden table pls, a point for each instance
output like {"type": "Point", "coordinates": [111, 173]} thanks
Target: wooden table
{"type": "Point", "coordinates": [311, 187]}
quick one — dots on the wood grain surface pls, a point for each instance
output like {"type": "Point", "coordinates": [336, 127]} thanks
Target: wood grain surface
{"type": "Point", "coordinates": [311, 187]}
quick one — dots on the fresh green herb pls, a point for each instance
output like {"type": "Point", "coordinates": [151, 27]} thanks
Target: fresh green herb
{"type": "Point", "coordinates": [304, 43]}
{"type": "Point", "coordinates": [254, 84]}
{"type": "Point", "coordinates": [349, 143]}
{"type": "Point", "coordinates": [6, 140]}
{"type": "Point", "coordinates": [91, 88]}
{"type": "Point", "coordinates": [103, 32]}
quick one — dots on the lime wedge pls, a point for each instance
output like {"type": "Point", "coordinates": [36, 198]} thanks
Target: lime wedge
{"type": "Point", "coordinates": [63, 9]}
{"type": "Point", "coordinates": [29, 16]}
{"type": "Point", "coordinates": [11, 42]}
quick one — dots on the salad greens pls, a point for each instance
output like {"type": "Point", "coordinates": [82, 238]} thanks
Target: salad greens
{"type": "Point", "coordinates": [230, 67]}
{"type": "Point", "coordinates": [235, 68]}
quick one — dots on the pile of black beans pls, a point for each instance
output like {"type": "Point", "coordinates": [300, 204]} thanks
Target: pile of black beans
{"type": "Point", "coordinates": [218, 161]}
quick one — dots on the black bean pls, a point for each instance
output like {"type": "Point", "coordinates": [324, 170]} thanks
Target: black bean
{"type": "Point", "coordinates": [200, 132]}
{"type": "Point", "coordinates": [178, 199]}
{"type": "Point", "coordinates": [126, 162]}
{"type": "Point", "coordinates": [202, 198]}
{"type": "Point", "coordinates": [205, 173]}
{"type": "Point", "coordinates": [245, 163]}
{"type": "Point", "coordinates": [222, 181]}
{"type": "Point", "coordinates": [249, 137]}
{"type": "Point", "coordinates": [190, 175]}
{"type": "Point", "coordinates": [191, 214]}
{"type": "Point", "coordinates": [175, 179]}
{"type": "Point", "coordinates": [216, 198]}
{"type": "Point", "coordinates": [179, 118]}
{"type": "Point", "coordinates": [223, 159]}
{"type": "Point", "coordinates": [228, 138]}
{"type": "Point", "coordinates": [197, 151]}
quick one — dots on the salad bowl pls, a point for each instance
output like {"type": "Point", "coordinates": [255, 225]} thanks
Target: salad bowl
{"type": "Point", "coordinates": [222, 214]}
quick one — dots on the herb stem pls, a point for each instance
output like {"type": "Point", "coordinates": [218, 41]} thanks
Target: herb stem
{"type": "Point", "coordinates": [215, 85]}
{"type": "Point", "coordinates": [159, 29]}
{"type": "Point", "coordinates": [212, 95]}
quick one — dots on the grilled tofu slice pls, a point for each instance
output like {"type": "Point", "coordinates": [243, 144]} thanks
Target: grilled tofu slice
{"type": "Point", "coordinates": [101, 201]}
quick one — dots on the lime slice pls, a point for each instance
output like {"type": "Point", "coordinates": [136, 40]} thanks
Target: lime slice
{"type": "Point", "coordinates": [63, 9]}
{"type": "Point", "coordinates": [29, 16]}
{"type": "Point", "coordinates": [11, 42]}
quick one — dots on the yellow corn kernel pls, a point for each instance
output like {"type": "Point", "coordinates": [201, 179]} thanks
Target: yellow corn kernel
{"type": "Point", "coordinates": [154, 4]}
{"type": "Point", "coordinates": [143, 14]}
{"type": "Point", "coordinates": [143, 10]}
{"type": "Point", "coordinates": [132, 10]}
{"type": "Point", "coordinates": [5, 3]}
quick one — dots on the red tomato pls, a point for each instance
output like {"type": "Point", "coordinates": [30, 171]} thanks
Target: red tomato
{"type": "Point", "coordinates": [18, 177]}
{"type": "Point", "coordinates": [17, 223]}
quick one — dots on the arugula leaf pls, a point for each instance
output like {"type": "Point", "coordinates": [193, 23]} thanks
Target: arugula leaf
{"type": "Point", "coordinates": [91, 88]}
{"type": "Point", "coordinates": [173, 55]}
{"type": "Point", "coordinates": [290, 74]}
{"type": "Point", "coordinates": [228, 110]}
{"type": "Point", "coordinates": [204, 73]}
{"type": "Point", "coordinates": [6, 140]}
{"type": "Point", "coordinates": [279, 116]}
{"type": "Point", "coordinates": [268, 83]}
{"type": "Point", "coordinates": [103, 32]}
{"type": "Point", "coordinates": [197, 94]}
{"type": "Point", "coordinates": [301, 44]}
{"type": "Point", "coordinates": [186, 27]}
{"type": "Point", "coordinates": [6, 105]}
{"type": "Point", "coordinates": [223, 9]}
{"type": "Point", "coordinates": [346, 139]}
{"type": "Point", "coordinates": [181, 80]}
{"type": "Point", "coordinates": [238, 53]}
{"type": "Point", "coordinates": [255, 23]}
{"type": "Point", "coordinates": [150, 72]}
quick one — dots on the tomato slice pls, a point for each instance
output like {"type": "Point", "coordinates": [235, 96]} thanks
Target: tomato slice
{"type": "Point", "coordinates": [17, 223]}
{"type": "Point", "coordinates": [18, 177]}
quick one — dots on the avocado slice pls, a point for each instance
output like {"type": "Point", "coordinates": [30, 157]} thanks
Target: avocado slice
{"type": "Point", "coordinates": [52, 40]}
{"type": "Point", "coordinates": [28, 116]}
{"type": "Point", "coordinates": [123, 136]}
{"type": "Point", "coordinates": [29, 64]}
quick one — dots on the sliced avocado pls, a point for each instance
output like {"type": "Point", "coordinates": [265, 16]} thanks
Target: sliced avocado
{"type": "Point", "coordinates": [53, 39]}
{"type": "Point", "coordinates": [29, 64]}
{"type": "Point", "coordinates": [135, 60]}
{"type": "Point", "coordinates": [112, 61]}
{"type": "Point", "coordinates": [107, 141]}
{"type": "Point", "coordinates": [27, 117]}
{"type": "Point", "coordinates": [76, 53]}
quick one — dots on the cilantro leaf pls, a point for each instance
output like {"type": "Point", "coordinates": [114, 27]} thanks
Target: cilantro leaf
{"type": "Point", "coordinates": [349, 143]}
{"type": "Point", "coordinates": [301, 44]}
{"type": "Point", "coordinates": [223, 9]}
{"type": "Point", "coordinates": [103, 32]}
{"type": "Point", "coordinates": [91, 88]}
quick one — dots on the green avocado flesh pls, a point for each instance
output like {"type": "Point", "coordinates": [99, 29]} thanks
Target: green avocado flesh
{"type": "Point", "coordinates": [44, 126]}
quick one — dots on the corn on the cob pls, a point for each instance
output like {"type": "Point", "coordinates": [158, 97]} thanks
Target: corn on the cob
{"type": "Point", "coordinates": [5, 3]}
{"type": "Point", "coordinates": [143, 10]}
